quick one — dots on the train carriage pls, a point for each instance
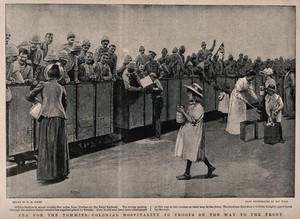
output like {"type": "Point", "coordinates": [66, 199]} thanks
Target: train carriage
{"type": "Point", "coordinates": [99, 109]}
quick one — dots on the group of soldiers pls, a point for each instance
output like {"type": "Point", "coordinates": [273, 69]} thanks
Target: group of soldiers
{"type": "Point", "coordinates": [26, 62]}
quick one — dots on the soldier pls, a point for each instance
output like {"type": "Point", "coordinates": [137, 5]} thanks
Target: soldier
{"type": "Point", "coordinates": [7, 35]}
{"type": "Point", "coordinates": [247, 63]}
{"type": "Point", "coordinates": [231, 72]}
{"type": "Point", "coordinates": [63, 59]}
{"type": "Point", "coordinates": [240, 66]}
{"type": "Point", "coordinates": [112, 61]}
{"type": "Point", "coordinates": [45, 45]}
{"type": "Point", "coordinates": [123, 67]}
{"type": "Point", "coordinates": [35, 53]}
{"type": "Point", "coordinates": [86, 70]}
{"type": "Point", "coordinates": [131, 79]}
{"type": "Point", "coordinates": [141, 71]}
{"type": "Point", "coordinates": [11, 55]}
{"type": "Point", "coordinates": [189, 71]}
{"type": "Point", "coordinates": [51, 58]}
{"type": "Point", "coordinates": [268, 63]}
{"type": "Point", "coordinates": [164, 61]}
{"type": "Point", "coordinates": [217, 65]}
{"type": "Point", "coordinates": [142, 58]}
{"type": "Point", "coordinates": [72, 64]}
{"type": "Point", "coordinates": [181, 51]}
{"type": "Point", "coordinates": [86, 44]}
{"type": "Point", "coordinates": [258, 65]}
{"type": "Point", "coordinates": [205, 54]}
{"type": "Point", "coordinates": [103, 48]}
{"type": "Point", "coordinates": [176, 64]}
{"type": "Point", "coordinates": [69, 45]}
{"type": "Point", "coordinates": [194, 59]}
{"type": "Point", "coordinates": [20, 72]}
{"type": "Point", "coordinates": [153, 65]}
{"type": "Point", "coordinates": [164, 56]}
{"type": "Point", "coordinates": [102, 70]}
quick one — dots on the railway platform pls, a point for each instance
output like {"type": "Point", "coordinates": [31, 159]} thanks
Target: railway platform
{"type": "Point", "coordinates": [148, 169]}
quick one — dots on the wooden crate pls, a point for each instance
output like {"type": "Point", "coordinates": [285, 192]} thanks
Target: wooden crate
{"type": "Point", "coordinates": [271, 134]}
{"type": "Point", "coordinates": [247, 130]}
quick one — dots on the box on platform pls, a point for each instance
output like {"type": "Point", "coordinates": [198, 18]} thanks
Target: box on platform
{"type": "Point", "coordinates": [247, 130]}
{"type": "Point", "coordinates": [271, 134]}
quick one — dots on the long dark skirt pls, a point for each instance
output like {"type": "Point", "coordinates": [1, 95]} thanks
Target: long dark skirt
{"type": "Point", "coordinates": [53, 158]}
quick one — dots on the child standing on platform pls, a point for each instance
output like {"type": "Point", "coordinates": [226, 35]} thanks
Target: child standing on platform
{"type": "Point", "coordinates": [224, 102]}
{"type": "Point", "coordinates": [274, 106]}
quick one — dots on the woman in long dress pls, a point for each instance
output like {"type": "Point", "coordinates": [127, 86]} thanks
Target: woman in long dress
{"type": "Point", "coordinates": [53, 155]}
{"type": "Point", "coordinates": [237, 103]}
{"type": "Point", "coordinates": [190, 143]}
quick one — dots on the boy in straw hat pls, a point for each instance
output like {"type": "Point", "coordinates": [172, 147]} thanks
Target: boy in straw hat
{"type": "Point", "coordinates": [274, 106]}
{"type": "Point", "coordinates": [190, 143]}
{"type": "Point", "coordinates": [267, 72]}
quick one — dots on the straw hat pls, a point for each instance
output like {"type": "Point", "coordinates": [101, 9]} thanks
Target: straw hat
{"type": "Point", "coordinates": [195, 88]}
